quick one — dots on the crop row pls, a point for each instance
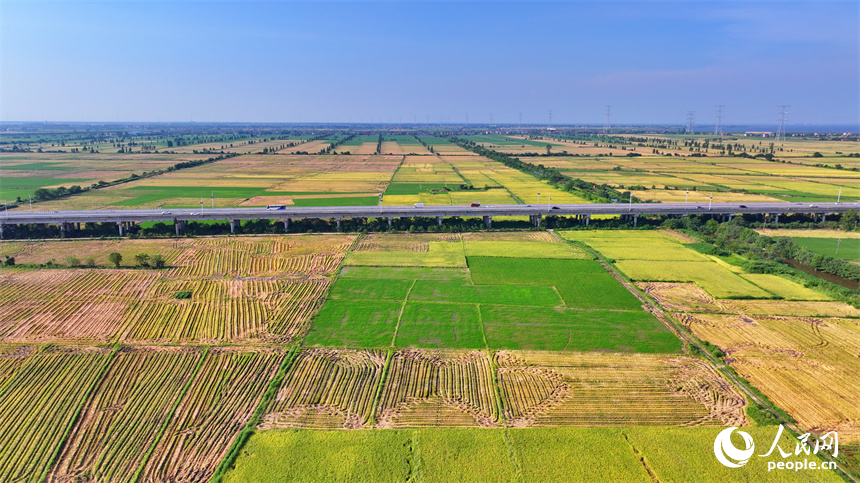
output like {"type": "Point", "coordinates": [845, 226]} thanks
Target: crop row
{"type": "Point", "coordinates": [805, 365]}
{"type": "Point", "coordinates": [588, 389]}
{"type": "Point", "coordinates": [87, 414]}
{"type": "Point", "coordinates": [103, 305]}
{"type": "Point", "coordinates": [438, 381]}
{"type": "Point", "coordinates": [335, 389]}
{"type": "Point", "coordinates": [123, 418]}
{"type": "Point", "coordinates": [37, 406]}
{"type": "Point", "coordinates": [327, 388]}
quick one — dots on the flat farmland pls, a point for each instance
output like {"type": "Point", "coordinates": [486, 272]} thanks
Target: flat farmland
{"type": "Point", "coordinates": [791, 358]}
{"type": "Point", "coordinates": [418, 291]}
{"type": "Point", "coordinates": [21, 174]}
{"type": "Point", "coordinates": [250, 180]}
{"type": "Point", "coordinates": [40, 402]}
{"type": "Point", "coordinates": [441, 181]}
{"type": "Point", "coordinates": [123, 418]}
{"type": "Point", "coordinates": [631, 454]}
{"type": "Point", "coordinates": [262, 288]}
{"type": "Point", "coordinates": [443, 146]}
{"type": "Point", "coordinates": [504, 338]}
{"type": "Point", "coordinates": [606, 389]}
{"type": "Point", "coordinates": [668, 179]}
{"type": "Point", "coordinates": [658, 257]}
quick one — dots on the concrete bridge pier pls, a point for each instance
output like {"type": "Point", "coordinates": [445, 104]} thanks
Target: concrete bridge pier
{"type": "Point", "coordinates": [64, 229]}
{"type": "Point", "coordinates": [535, 220]}
{"type": "Point", "coordinates": [390, 221]}
{"type": "Point", "coordinates": [488, 220]}
{"type": "Point", "coordinates": [776, 218]}
{"type": "Point", "coordinates": [120, 225]}
{"type": "Point", "coordinates": [439, 220]}
{"type": "Point", "coordinates": [1, 231]}
{"type": "Point", "coordinates": [338, 224]}
{"type": "Point", "coordinates": [824, 217]}
{"type": "Point", "coordinates": [233, 225]}
{"type": "Point", "coordinates": [587, 219]}
{"type": "Point", "coordinates": [177, 225]}
{"type": "Point", "coordinates": [286, 225]}
{"type": "Point", "coordinates": [635, 220]}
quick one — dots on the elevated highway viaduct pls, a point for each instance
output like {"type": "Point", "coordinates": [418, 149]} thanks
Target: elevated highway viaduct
{"type": "Point", "coordinates": [582, 212]}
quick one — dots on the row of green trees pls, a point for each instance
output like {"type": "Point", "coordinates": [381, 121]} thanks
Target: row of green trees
{"type": "Point", "coordinates": [737, 236]}
{"type": "Point", "coordinates": [591, 191]}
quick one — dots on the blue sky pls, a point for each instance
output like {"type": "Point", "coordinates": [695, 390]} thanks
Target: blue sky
{"type": "Point", "coordinates": [405, 61]}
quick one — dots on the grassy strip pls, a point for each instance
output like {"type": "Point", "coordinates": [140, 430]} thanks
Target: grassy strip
{"type": "Point", "coordinates": [400, 314]}
{"type": "Point", "coordinates": [512, 454]}
{"type": "Point", "coordinates": [96, 382]}
{"type": "Point", "coordinates": [166, 423]}
{"type": "Point", "coordinates": [416, 470]}
{"type": "Point", "coordinates": [251, 426]}
{"type": "Point", "coordinates": [378, 396]}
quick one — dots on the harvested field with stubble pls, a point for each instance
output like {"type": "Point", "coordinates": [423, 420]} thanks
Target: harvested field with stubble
{"type": "Point", "coordinates": [604, 389]}
{"type": "Point", "coordinates": [123, 418]}
{"type": "Point", "coordinates": [242, 289]}
{"type": "Point", "coordinates": [327, 389]}
{"type": "Point", "coordinates": [426, 388]}
{"type": "Point", "coordinates": [40, 402]}
{"type": "Point", "coordinates": [797, 362]}
{"type": "Point", "coordinates": [227, 388]}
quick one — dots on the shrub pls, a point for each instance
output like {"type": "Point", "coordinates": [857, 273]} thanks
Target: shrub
{"type": "Point", "coordinates": [115, 258]}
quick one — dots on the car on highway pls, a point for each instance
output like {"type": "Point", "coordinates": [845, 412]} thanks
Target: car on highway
{"type": "Point", "coordinates": [742, 206]}
{"type": "Point", "coordinates": [418, 205]}
{"type": "Point", "coordinates": [475, 204]}
{"type": "Point", "coordinates": [556, 208]}
{"type": "Point", "coordinates": [166, 213]}
{"type": "Point", "coordinates": [813, 206]}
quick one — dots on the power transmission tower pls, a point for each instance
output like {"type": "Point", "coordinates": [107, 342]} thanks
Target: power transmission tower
{"type": "Point", "coordinates": [718, 129]}
{"type": "Point", "coordinates": [606, 127]}
{"type": "Point", "coordinates": [783, 115]}
{"type": "Point", "coordinates": [690, 116]}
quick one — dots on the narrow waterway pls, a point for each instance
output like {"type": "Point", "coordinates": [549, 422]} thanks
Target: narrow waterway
{"type": "Point", "coordinates": [842, 282]}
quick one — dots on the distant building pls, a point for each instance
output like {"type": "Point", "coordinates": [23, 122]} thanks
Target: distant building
{"type": "Point", "coordinates": [762, 134]}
